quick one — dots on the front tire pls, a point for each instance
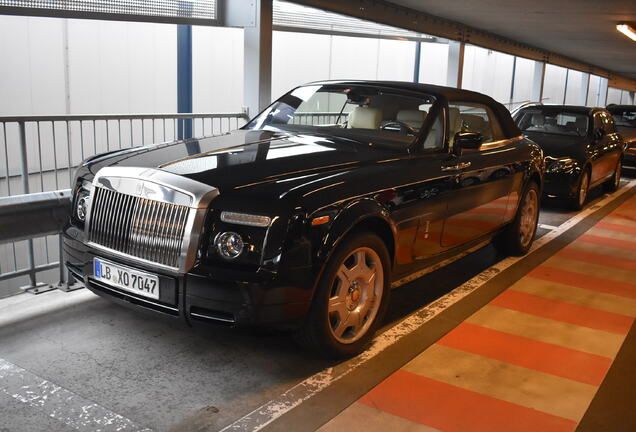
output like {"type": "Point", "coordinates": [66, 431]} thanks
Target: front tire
{"type": "Point", "coordinates": [350, 300]}
{"type": "Point", "coordinates": [577, 202]}
{"type": "Point", "coordinates": [517, 237]}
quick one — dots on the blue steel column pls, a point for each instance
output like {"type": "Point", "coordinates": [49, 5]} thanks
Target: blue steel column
{"type": "Point", "coordinates": [184, 79]}
{"type": "Point", "coordinates": [418, 59]}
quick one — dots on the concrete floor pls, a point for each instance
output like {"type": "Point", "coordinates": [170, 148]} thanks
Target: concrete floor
{"type": "Point", "coordinates": [165, 376]}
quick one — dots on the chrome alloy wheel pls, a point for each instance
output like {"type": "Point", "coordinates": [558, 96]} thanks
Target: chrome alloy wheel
{"type": "Point", "coordinates": [356, 294]}
{"type": "Point", "coordinates": [583, 187]}
{"type": "Point", "coordinates": [528, 220]}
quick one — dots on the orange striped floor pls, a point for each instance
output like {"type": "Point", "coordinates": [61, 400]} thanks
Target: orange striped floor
{"type": "Point", "coordinates": [532, 359]}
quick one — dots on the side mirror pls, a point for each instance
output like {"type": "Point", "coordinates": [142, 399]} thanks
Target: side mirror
{"type": "Point", "coordinates": [599, 133]}
{"type": "Point", "coordinates": [467, 141]}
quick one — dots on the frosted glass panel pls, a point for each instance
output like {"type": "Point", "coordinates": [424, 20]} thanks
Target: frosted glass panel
{"type": "Point", "coordinates": [433, 63]}
{"type": "Point", "coordinates": [489, 72]}
{"type": "Point", "coordinates": [554, 85]}
{"type": "Point", "coordinates": [575, 87]}
{"type": "Point", "coordinates": [524, 78]}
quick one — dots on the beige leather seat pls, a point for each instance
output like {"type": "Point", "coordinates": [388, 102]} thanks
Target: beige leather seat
{"type": "Point", "coordinates": [413, 118]}
{"type": "Point", "coordinates": [362, 117]}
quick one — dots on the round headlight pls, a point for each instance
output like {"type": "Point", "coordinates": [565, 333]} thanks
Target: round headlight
{"type": "Point", "coordinates": [81, 205]}
{"type": "Point", "coordinates": [229, 244]}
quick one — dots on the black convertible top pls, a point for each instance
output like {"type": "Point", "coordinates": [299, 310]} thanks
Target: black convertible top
{"type": "Point", "coordinates": [446, 95]}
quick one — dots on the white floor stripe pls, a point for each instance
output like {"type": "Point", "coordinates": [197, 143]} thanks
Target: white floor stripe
{"type": "Point", "coordinates": [548, 227]}
{"type": "Point", "coordinates": [59, 403]}
{"type": "Point", "coordinates": [270, 411]}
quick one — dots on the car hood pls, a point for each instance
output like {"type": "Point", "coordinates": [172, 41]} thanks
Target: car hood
{"type": "Point", "coordinates": [248, 160]}
{"type": "Point", "coordinates": [628, 134]}
{"type": "Point", "coordinates": [559, 145]}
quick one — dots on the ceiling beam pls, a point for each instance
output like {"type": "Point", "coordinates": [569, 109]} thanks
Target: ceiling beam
{"type": "Point", "coordinates": [388, 13]}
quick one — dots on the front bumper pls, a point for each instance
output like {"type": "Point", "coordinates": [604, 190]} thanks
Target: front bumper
{"type": "Point", "coordinates": [561, 184]}
{"type": "Point", "coordinates": [629, 159]}
{"type": "Point", "coordinates": [199, 297]}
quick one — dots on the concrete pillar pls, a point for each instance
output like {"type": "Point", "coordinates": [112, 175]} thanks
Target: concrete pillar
{"type": "Point", "coordinates": [537, 81]}
{"type": "Point", "coordinates": [255, 17]}
{"type": "Point", "coordinates": [455, 64]}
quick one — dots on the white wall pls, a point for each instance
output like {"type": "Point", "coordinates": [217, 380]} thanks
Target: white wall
{"type": "Point", "coordinates": [524, 79]}
{"type": "Point", "coordinates": [217, 69]}
{"type": "Point", "coordinates": [299, 58]}
{"type": "Point", "coordinates": [32, 67]}
{"type": "Point", "coordinates": [433, 63]}
{"type": "Point", "coordinates": [120, 67]}
{"type": "Point", "coordinates": [488, 72]}
{"type": "Point", "coordinates": [554, 85]}
{"type": "Point", "coordinates": [113, 67]}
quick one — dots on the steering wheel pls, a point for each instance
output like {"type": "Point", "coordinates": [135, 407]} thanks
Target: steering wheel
{"type": "Point", "coordinates": [404, 127]}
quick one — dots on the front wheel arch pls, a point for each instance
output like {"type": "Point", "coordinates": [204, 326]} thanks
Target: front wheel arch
{"type": "Point", "coordinates": [363, 215]}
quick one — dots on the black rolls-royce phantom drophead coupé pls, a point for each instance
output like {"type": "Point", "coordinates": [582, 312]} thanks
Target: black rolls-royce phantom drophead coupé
{"type": "Point", "coordinates": [306, 215]}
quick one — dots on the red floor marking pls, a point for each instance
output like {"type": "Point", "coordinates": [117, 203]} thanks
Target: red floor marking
{"type": "Point", "coordinates": [616, 227]}
{"type": "Point", "coordinates": [529, 353]}
{"type": "Point", "coordinates": [587, 282]}
{"type": "Point", "coordinates": [620, 215]}
{"type": "Point", "coordinates": [563, 311]}
{"type": "Point", "coordinates": [453, 409]}
{"type": "Point", "coordinates": [622, 244]}
{"type": "Point", "coordinates": [598, 258]}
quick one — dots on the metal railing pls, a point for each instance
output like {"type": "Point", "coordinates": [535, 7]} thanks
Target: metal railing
{"type": "Point", "coordinates": [319, 118]}
{"type": "Point", "coordinates": [41, 153]}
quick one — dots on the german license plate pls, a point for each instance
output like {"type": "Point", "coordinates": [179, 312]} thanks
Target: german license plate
{"type": "Point", "coordinates": [126, 278]}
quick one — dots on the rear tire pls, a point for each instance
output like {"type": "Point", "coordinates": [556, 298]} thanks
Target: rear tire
{"type": "Point", "coordinates": [577, 202]}
{"type": "Point", "coordinates": [351, 298]}
{"type": "Point", "coordinates": [517, 238]}
{"type": "Point", "coordinates": [614, 182]}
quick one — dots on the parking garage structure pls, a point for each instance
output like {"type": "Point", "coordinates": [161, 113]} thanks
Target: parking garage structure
{"type": "Point", "coordinates": [479, 341]}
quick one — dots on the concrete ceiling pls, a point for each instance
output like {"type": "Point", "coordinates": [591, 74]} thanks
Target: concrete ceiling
{"type": "Point", "coordinates": [583, 30]}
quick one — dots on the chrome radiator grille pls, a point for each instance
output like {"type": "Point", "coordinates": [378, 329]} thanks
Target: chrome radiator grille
{"type": "Point", "coordinates": [147, 229]}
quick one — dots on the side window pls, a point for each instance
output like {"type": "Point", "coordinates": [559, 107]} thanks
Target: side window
{"type": "Point", "coordinates": [469, 117]}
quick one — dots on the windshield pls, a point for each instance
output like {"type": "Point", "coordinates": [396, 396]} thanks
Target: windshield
{"type": "Point", "coordinates": [363, 113]}
{"type": "Point", "coordinates": [624, 117]}
{"type": "Point", "coordinates": [559, 123]}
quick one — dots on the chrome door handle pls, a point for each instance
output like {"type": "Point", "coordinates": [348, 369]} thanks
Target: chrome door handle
{"type": "Point", "coordinates": [458, 167]}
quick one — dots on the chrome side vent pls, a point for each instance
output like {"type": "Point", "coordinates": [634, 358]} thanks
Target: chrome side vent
{"type": "Point", "coordinates": [140, 227]}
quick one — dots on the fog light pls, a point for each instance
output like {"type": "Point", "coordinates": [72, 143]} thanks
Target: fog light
{"type": "Point", "coordinates": [229, 244]}
{"type": "Point", "coordinates": [81, 205]}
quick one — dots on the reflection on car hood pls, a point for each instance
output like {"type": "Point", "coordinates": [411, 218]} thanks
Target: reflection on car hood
{"type": "Point", "coordinates": [248, 158]}
{"type": "Point", "coordinates": [628, 134]}
{"type": "Point", "coordinates": [559, 145]}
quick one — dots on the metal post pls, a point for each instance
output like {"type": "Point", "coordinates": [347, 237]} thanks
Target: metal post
{"type": "Point", "coordinates": [67, 282]}
{"type": "Point", "coordinates": [184, 78]}
{"type": "Point", "coordinates": [34, 287]}
{"type": "Point", "coordinates": [565, 91]}
{"type": "Point", "coordinates": [512, 85]}
{"type": "Point", "coordinates": [418, 58]}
